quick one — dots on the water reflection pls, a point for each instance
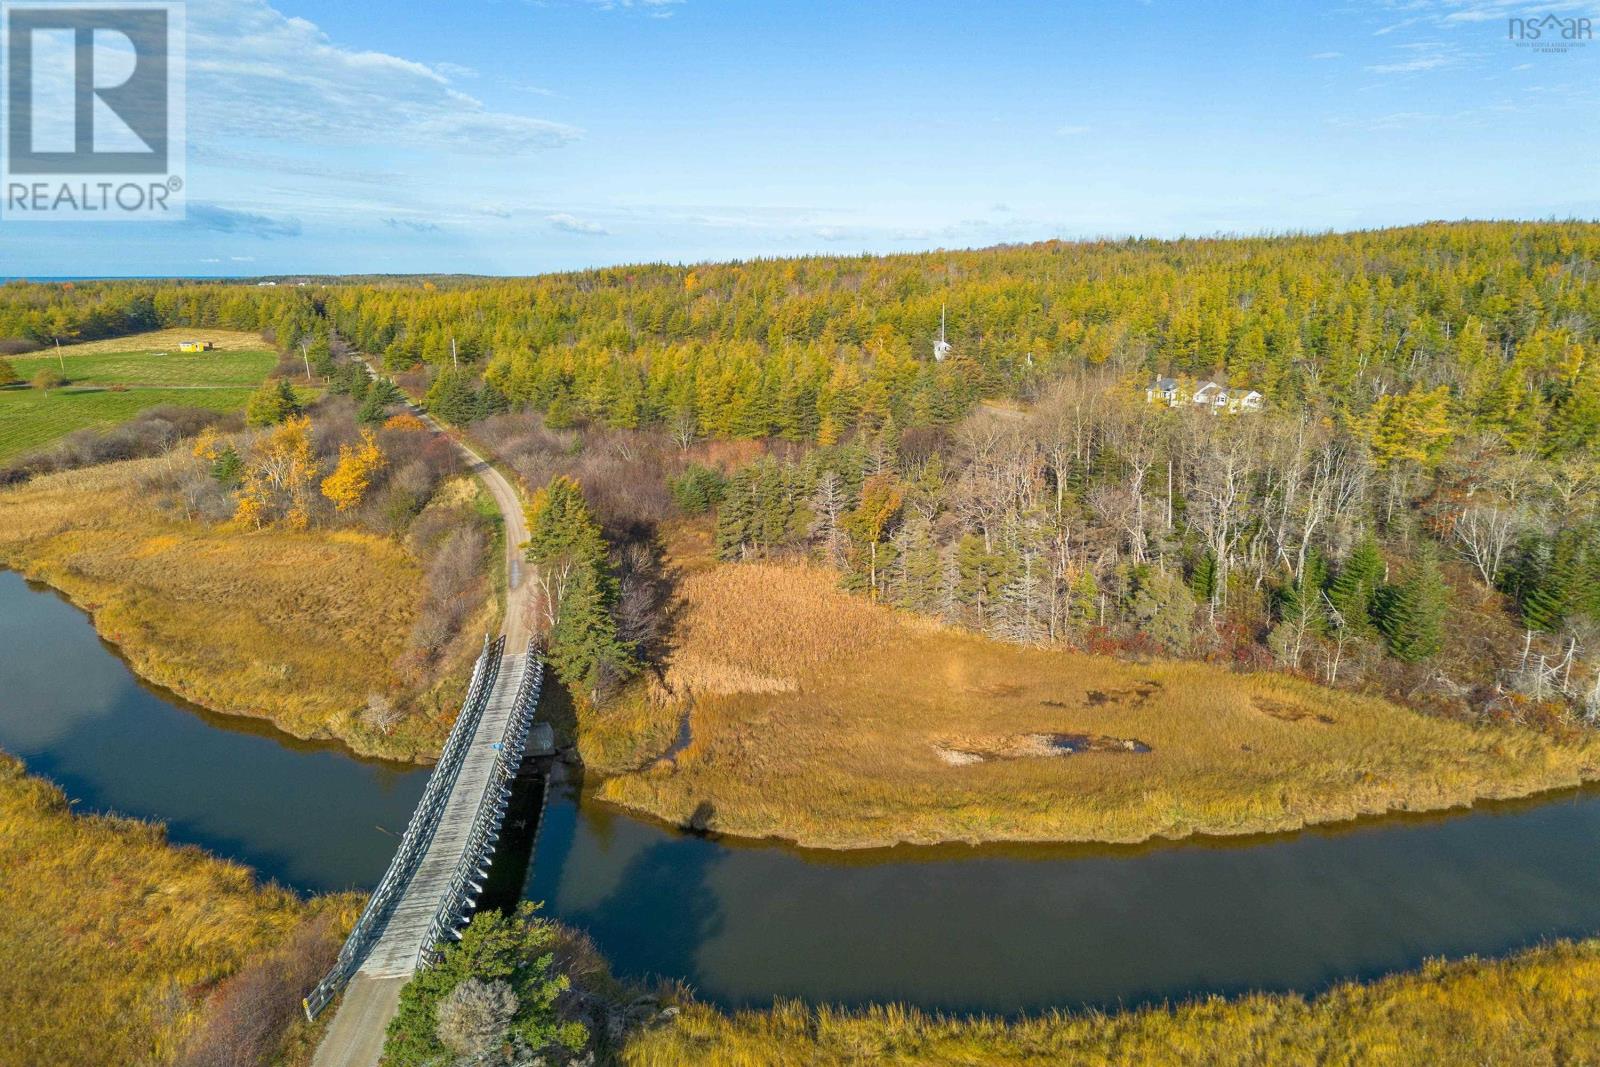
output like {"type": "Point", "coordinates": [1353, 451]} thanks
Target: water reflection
{"type": "Point", "coordinates": [1011, 929]}
{"type": "Point", "coordinates": [304, 813]}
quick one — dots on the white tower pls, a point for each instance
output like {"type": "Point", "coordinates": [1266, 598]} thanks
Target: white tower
{"type": "Point", "coordinates": [941, 347]}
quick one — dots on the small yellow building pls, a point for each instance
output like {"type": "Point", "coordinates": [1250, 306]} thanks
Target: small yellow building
{"type": "Point", "coordinates": [195, 346]}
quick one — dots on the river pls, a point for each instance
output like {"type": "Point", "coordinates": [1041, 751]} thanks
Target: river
{"type": "Point", "coordinates": [982, 929]}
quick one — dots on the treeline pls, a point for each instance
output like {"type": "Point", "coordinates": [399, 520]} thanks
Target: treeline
{"type": "Point", "coordinates": [1500, 316]}
{"type": "Point", "coordinates": [1102, 520]}
{"type": "Point", "coordinates": [46, 313]}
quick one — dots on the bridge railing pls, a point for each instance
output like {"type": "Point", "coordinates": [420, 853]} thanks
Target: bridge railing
{"type": "Point", "coordinates": [418, 833]}
{"type": "Point", "coordinates": [455, 906]}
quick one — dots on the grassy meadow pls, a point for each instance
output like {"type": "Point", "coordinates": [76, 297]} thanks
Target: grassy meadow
{"type": "Point", "coordinates": [295, 627]}
{"type": "Point", "coordinates": [30, 418]}
{"type": "Point", "coordinates": [114, 943]}
{"type": "Point", "coordinates": [1537, 1009]}
{"type": "Point", "coordinates": [820, 718]}
{"type": "Point", "coordinates": [112, 381]}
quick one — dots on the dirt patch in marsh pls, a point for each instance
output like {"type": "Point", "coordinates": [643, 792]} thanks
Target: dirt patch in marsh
{"type": "Point", "coordinates": [1287, 712]}
{"type": "Point", "coordinates": [1136, 695]}
{"type": "Point", "coordinates": [964, 751]}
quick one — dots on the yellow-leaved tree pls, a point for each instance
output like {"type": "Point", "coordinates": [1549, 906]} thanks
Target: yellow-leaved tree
{"type": "Point", "coordinates": [347, 485]}
{"type": "Point", "coordinates": [1411, 426]}
{"type": "Point", "coordinates": [279, 477]}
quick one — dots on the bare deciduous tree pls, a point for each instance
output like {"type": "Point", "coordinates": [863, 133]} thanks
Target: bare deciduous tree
{"type": "Point", "coordinates": [1486, 533]}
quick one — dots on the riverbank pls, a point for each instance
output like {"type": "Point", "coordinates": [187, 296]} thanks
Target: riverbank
{"type": "Point", "coordinates": [118, 947]}
{"type": "Point", "coordinates": [296, 627]}
{"type": "Point", "coordinates": [1537, 1007]}
{"type": "Point", "coordinates": [817, 717]}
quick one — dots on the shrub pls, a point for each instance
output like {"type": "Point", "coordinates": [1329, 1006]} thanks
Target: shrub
{"type": "Point", "coordinates": [504, 961]}
{"type": "Point", "coordinates": [698, 489]}
{"type": "Point", "coordinates": [272, 403]}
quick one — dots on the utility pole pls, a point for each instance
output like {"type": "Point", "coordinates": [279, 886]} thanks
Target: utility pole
{"type": "Point", "coordinates": [454, 363]}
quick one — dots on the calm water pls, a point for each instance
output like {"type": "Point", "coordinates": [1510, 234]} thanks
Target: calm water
{"type": "Point", "coordinates": [305, 814]}
{"type": "Point", "coordinates": [956, 928]}
{"type": "Point", "coordinates": [1026, 928]}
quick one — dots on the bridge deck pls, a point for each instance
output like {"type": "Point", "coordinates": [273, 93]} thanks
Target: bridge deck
{"type": "Point", "coordinates": [403, 933]}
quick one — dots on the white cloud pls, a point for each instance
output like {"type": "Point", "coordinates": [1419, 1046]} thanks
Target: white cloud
{"type": "Point", "coordinates": [572, 224]}
{"type": "Point", "coordinates": [1072, 131]}
{"type": "Point", "coordinates": [659, 9]}
{"type": "Point", "coordinates": [1494, 10]}
{"type": "Point", "coordinates": [414, 225]}
{"type": "Point", "coordinates": [1396, 120]}
{"type": "Point", "coordinates": [255, 72]}
{"type": "Point", "coordinates": [1458, 12]}
{"type": "Point", "coordinates": [1328, 55]}
{"type": "Point", "coordinates": [1420, 56]}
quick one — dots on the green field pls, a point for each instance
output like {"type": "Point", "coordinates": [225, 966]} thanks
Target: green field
{"type": "Point", "coordinates": [30, 419]}
{"type": "Point", "coordinates": [148, 368]}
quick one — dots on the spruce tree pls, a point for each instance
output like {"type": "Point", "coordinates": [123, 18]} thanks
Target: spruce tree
{"type": "Point", "coordinates": [734, 515]}
{"type": "Point", "coordinates": [1411, 614]}
{"type": "Point", "coordinates": [1355, 586]}
{"type": "Point", "coordinates": [567, 545]}
{"type": "Point", "coordinates": [1203, 581]}
{"type": "Point", "coordinates": [584, 648]}
{"type": "Point", "coordinates": [1558, 588]}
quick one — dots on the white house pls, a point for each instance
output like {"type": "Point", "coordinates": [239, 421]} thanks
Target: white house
{"type": "Point", "coordinates": [1244, 400]}
{"type": "Point", "coordinates": [1211, 395]}
{"type": "Point", "coordinates": [1165, 389]}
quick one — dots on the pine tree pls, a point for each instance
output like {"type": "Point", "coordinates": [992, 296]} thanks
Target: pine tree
{"type": "Point", "coordinates": [1411, 614]}
{"type": "Point", "coordinates": [982, 576]}
{"type": "Point", "coordinates": [453, 397]}
{"type": "Point", "coordinates": [1203, 582]}
{"type": "Point", "coordinates": [1557, 589]}
{"type": "Point", "coordinates": [1302, 615]}
{"type": "Point", "coordinates": [1354, 587]}
{"type": "Point", "coordinates": [734, 515]}
{"type": "Point", "coordinates": [584, 648]}
{"type": "Point", "coordinates": [580, 589]}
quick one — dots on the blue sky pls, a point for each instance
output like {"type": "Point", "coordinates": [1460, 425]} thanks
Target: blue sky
{"type": "Point", "coordinates": [511, 137]}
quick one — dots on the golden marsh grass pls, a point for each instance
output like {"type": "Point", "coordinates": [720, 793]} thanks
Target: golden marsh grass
{"type": "Point", "coordinates": [110, 938]}
{"type": "Point", "coordinates": [820, 718]}
{"type": "Point", "coordinates": [296, 627]}
{"type": "Point", "coordinates": [1539, 1008]}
